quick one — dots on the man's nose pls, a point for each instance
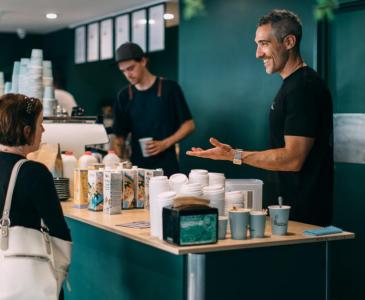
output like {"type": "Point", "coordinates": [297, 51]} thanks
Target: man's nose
{"type": "Point", "coordinates": [259, 53]}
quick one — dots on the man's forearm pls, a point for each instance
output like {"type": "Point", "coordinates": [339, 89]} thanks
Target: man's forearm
{"type": "Point", "coordinates": [273, 159]}
{"type": "Point", "coordinates": [185, 129]}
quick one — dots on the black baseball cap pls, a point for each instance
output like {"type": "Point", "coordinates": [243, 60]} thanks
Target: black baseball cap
{"type": "Point", "coordinates": [129, 51]}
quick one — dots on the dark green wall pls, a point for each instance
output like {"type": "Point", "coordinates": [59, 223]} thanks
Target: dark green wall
{"type": "Point", "coordinates": [12, 49]}
{"type": "Point", "coordinates": [92, 83]}
{"type": "Point", "coordinates": [226, 87]}
{"type": "Point", "coordinates": [346, 81]}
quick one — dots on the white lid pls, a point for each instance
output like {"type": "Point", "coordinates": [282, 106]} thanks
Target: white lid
{"type": "Point", "coordinates": [214, 174]}
{"type": "Point", "coordinates": [258, 212]}
{"type": "Point", "coordinates": [199, 171]}
{"type": "Point", "coordinates": [167, 195]}
{"type": "Point", "coordinates": [158, 178]}
{"type": "Point", "coordinates": [178, 178]}
{"type": "Point", "coordinates": [279, 207]}
{"type": "Point", "coordinates": [239, 210]}
{"type": "Point", "coordinates": [213, 188]}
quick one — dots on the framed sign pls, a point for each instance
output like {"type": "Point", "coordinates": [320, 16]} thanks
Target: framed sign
{"type": "Point", "coordinates": [139, 25]}
{"type": "Point", "coordinates": [121, 30]}
{"type": "Point", "coordinates": [80, 45]}
{"type": "Point", "coordinates": [93, 42]}
{"type": "Point", "coordinates": [156, 26]}
{"type": "Point", "coordinates": [106, 39]}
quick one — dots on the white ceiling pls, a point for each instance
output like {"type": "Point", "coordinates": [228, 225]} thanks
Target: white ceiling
{"type": "Point", "coordinates": [30, 14]}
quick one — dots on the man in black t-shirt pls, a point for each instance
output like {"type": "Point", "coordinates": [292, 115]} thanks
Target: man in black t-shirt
{"type": "Point", "coordinates": [301, 155]}
{"type": "Point", "coordinates": [149, 107]}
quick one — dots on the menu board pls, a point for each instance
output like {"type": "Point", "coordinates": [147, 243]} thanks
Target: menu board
{"type": "Point", "coordinates": [139, 22]}
{"type": "Point", "coordinates": [106, 39]}
{"type": "Point", "coordinates": [156, 26]}
{"type": "Point", "coordinates": [93, 42]}
{"type": "Point", "coordinates": [80, 45]}
{"type": "Point", "coordinates": [121, 30]}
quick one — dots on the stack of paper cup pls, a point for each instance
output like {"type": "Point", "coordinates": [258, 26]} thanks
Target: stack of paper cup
{"type": "Point", "coordinates": [163, 199]}
{"type": "Point", "coordinates": [15, 78]}
{"type": "Point", "coordinates": [157, 185]}
{"type": "Point", "coordinates": [177, 181]}
{"type": "Point", "coordinates": [233, 199]}
{"type": "Point", "coordinates": [1, 83]}
{"type": "Point", "coordinates": [49, 101]}
{"type": "Point", "coordinates": [47, 73]}
{"type": "Point", "coordinates": [23, 76]}
{"type": "Point", "coordinates": [217, 178]}
{"type": "Point", "coordinates": [215, 195]}
{"type": "Point", "coordinates": [199, 176]}
{"type": "Point", "coordinates": [7, 87]}
{"type": "Point", "coordinates": [191, 189]}
{"type": "Point", "coordinates": [35, 74]}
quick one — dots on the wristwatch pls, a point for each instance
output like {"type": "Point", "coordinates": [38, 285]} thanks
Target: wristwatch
{"type": "Point", "coordinates": [237, 158]}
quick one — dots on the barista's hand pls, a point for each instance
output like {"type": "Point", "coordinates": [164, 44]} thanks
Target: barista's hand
{"type": "Point", "coordinates": [219, 152]}
{"type": "Point", "coordinates": [155, 147]}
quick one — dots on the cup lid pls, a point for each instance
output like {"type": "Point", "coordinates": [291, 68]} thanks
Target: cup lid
{"type": "Point", "coordinates": [279, 207]}
{"type": "Point", "coordinates": [258, 212]}
{"type": "Point", "coordinates": [239, 210]}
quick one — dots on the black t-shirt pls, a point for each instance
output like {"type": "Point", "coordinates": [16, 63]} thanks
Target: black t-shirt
{"type": "Point", "coordinates": [34, 196]}
{"type": "Point", "coordinates": [303, 107]}
{"type": "Point", "coordinates": [150, 115]}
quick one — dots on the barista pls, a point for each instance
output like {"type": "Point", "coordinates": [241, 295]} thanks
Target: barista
{"type": "Point", "coordinates": [149, 106]}
{"type": "Point", "coordinates": [301, 154]}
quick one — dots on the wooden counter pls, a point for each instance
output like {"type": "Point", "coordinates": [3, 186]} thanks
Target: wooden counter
{"type": "Point", "coordinates": [109, 223]}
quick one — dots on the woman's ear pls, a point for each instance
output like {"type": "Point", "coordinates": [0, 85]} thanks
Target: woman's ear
{"type": "Point", "coordinates": [27, 134]}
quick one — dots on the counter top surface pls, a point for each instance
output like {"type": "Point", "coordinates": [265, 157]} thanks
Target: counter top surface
{"type": "Point", "coordinates": [110, 223]}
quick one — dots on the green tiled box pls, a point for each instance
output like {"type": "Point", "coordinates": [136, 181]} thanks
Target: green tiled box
{"type": "Point", "coordinates": [192, 225]}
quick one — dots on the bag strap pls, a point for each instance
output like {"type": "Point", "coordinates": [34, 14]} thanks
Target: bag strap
{"type": "Point", "coordinates": [5, 220]}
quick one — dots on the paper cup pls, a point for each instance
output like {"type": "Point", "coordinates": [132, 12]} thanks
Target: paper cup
{"type": "Point", "coordinates": [279, 219]}
{"type": "Point", "coordinates": [257, 224]}
{"type": "Point", "coordinates": [143, 142]}
{"type": "Point", "coordinates": [239, 220]}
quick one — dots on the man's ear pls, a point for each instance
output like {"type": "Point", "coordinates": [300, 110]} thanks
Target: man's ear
{"type": "Point", "coordinates": [144, 61]}
{"type": "Point", "coordinates": [290, 41]}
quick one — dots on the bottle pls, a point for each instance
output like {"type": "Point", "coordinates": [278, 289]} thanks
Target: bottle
{"type": "Point", "coordinates": [111, 159]}
{"type": "Point", "coordinates": [58, 168]}
{"type": "Point", "coordinates": [86, 160]}
{"type": "Point", "coordinates": [69, 163]}
{"type": "Point", "coordinates": [97, 155]}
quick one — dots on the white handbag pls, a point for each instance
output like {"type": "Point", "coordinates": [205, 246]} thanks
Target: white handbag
{"type": "Point", "coordinates": [33, 264]}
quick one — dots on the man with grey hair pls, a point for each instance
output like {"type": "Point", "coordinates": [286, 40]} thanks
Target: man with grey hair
{"type": "Point", "coordinates": [301, 155]}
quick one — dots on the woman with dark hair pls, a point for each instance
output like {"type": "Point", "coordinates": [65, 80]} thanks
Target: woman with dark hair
{"type": "Point", "coordinates": [34, 196]}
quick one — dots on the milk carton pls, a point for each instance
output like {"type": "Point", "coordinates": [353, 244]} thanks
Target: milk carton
{"type": "Point", "coordinates": [112, 192]}
{"type": "Point", "coordinates": [80, 188]}
{"type": "Point", "coordinates": [129, 188]}
{"type": "Point", "coordinates": [95, 190]}
{"type": "Point", "coordinates": [141, 192]}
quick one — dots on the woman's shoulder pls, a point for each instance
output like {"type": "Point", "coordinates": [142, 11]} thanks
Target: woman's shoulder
{"type": "Point", "coordinates": [35, 169]}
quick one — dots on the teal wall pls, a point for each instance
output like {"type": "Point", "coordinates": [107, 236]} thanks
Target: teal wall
{"type": "Point", "coordinates": [92, 83]}
{"type": "Point", "coordinates": [346, 80]}
{"type": "Point", "coordinates": [226, 87]}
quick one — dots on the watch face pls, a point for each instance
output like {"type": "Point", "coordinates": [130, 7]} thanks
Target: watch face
{"type": "Point", "coordinates": [237, 157]}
